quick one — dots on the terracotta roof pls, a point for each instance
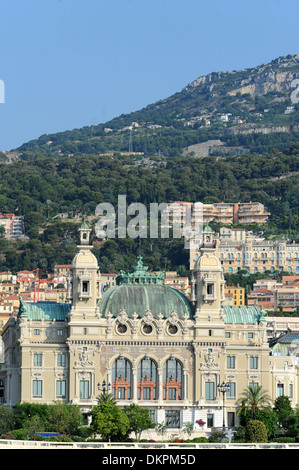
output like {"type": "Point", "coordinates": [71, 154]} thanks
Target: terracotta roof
{"type": "Point", "coordinates": [262, 290]}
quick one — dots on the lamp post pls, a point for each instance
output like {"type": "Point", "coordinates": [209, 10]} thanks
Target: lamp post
{"type": "Point", "coordinates": [103, 389]}
{"type": "Point", "coordinates": [223, 388]}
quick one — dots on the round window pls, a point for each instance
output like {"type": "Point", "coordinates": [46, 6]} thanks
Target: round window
{"type": "Point", "coordinates": [172, 329]}
{"type": "Point", "coordinates": [121, 328]}
{"type": "Point", "coordinates": [147, 329]}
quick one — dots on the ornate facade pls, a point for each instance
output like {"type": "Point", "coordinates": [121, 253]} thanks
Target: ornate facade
{"type": "Point", "coordinates": [148, 342]}
{"type": "Point", "coordinates": [238, 249]}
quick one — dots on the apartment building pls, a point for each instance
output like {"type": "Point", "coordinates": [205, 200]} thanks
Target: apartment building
{"type": "Point", "coordinates": [241, 250]}
{"type": "Point", "coordinates": [6, 276]}
{"type": "Point", "coordinates": [14, 226]}
{"type": "Point", "coordinates": [237, 293]}
{"type": "Point", "coordinates": [269, 284]}
{"type": "Point", "coordinates": [262, 298]}
{"type": "Point", "coordinates": [286, 297]}
{"type": "Point", "coordinates": [108, 280]}
{"type": "Point", "coordinates": [9, 306]}
{"type": "Point", "coordinates": [242, 213]}
{"type": "Point", "coordinates": [277, 296]}
{"type": "Point", "coordinates": [180, 283]}
{"type": "Point", "coordinates": [226, 213]}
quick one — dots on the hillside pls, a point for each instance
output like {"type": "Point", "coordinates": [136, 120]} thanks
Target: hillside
{"type": "Point", "coordinates": [251, 110]}
{"type": "Point", "coordinates": [50, 192]}
{"type": "Point", "coordinates": [244, 124]}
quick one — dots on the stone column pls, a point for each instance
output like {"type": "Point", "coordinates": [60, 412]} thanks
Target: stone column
{"type": "Point", "coordinates": [185, 377]}
{"type": "Point", "coordinates": [160, 385]}
{"type": "Point", "coordinates": [134, 384]}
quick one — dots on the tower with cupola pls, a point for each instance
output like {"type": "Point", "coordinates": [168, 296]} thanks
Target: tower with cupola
{"type": "Point", "coordinates": [208, 280]}
{"type": "Point", "coordinates": [84, 279]}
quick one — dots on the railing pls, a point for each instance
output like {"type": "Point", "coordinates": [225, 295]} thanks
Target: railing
{"type": "Point", "coordinates": [15, 444]}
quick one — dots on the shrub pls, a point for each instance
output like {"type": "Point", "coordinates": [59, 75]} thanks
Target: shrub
{"type": "Point", "coordinates": [20, 434]}
{"type": "Point", "coordinates": [38, 437]}
{"type": "Point", "coordinates": [217, 436]}
{"type": "Point", "coordinates": [55, 439]}
{"type": "Point", "coordinates": [84, 432]}
{"type": "Point", "coordinates": [239, 434]}
{"type": "Point", "coordinates": [198, 439]}
{"type": "Point", "coordinates": [284, 439]}
{"type": "Point", "coordinates": [8, 435]}
{"type": "Point", "coordinates": [256, 431]}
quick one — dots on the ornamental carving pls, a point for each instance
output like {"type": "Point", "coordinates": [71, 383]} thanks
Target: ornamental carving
{"type": "Point", "coordinates": [209, 361]}
{"type": "Point", "coordinates": [148, 317]}
{"type": "Point", "coordinates": [84, 361]}
{"type": "Point", "coordinates": [173, 317]}
{"type": "Point", "coordinates": [122, 316]}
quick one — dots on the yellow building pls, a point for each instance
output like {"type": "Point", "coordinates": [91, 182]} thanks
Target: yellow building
{"type": "Point", "coordinates": [238, 294]}
{"type": "Point", "coordinates": [151, 344]}
{"type": "Point", "coordinates": [61, 269]}
{"type": "Point", "coordinates": [181, 283]}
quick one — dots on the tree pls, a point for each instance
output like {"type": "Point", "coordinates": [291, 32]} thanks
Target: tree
{"type": "Point", "coordinates": [65, 418]}
{"type": "Point", "coordinates": [256, 431]}
{"type": "Point", "coordinates": [253, 398]}
{"type": "Point", "coordinates": [106, 397]}
{"type": "Point", "coordinates": [188, 428]}
{"type": "Point", "coordinates": [27, 410]}
{"type": "Point", "coordinates": [161, 429]}
{"type": "Point", "coordinates": [283, 408]}
{"type": "Point", "coordinates": [139, 419]}
{"type": "Point", "coordinates": [293, 424]}
{"type": "Point", "coordinates": [32, 425]}
{"type": "Point", "coordinates": [109, 421]}
{"type": "Point", "coordinates": [7, 419]}
{"type": "Point", "coordinates": [269, 418]}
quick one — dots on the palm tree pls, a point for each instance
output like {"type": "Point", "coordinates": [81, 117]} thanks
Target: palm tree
{"type": "Point", "coordinates": [106, 397]}
{"type": "Point", "coordinates": [254, 398]}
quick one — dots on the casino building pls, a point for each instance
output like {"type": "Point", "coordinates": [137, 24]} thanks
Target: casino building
{"type": "Point", "coordinates": [148, 342]}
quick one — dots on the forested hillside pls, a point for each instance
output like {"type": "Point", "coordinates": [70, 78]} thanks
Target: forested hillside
{"type": "Point", "coordinates": [40, 188]}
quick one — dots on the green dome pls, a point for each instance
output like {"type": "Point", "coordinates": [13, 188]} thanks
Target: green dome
{"type": "Point", "coordinates": [140, 298]}
{"type": "Point", "coordinates": [140, 291]}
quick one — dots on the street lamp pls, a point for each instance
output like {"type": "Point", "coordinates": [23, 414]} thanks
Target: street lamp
{"type": "Point", "coordinates": [103, 389]}
{"type": "Point", "coordinates": [223, 388]}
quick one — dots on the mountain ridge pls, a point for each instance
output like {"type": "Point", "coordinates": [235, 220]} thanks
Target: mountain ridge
{"type": "Point", "coordinates": [218, 105]}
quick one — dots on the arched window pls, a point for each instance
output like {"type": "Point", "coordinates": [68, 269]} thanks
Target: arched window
{"type": "Point", "coordinates": [172, 380]}
{"type": "Point", "coordinates": [121, 379]}
{"type": "Point", "coordinates": [147, 379]}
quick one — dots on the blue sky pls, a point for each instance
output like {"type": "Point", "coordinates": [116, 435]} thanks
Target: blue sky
{"type": "Point", "coordinates": [73, 63]}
